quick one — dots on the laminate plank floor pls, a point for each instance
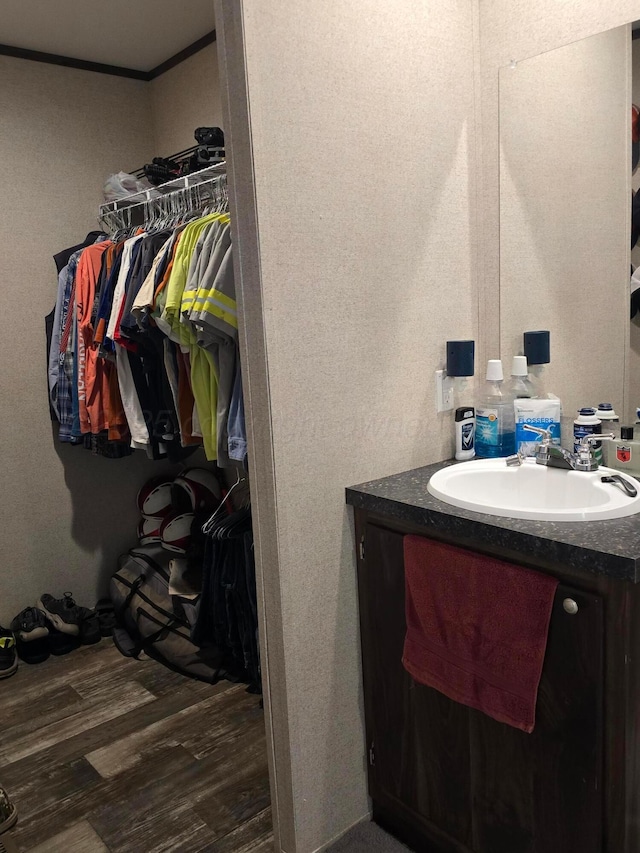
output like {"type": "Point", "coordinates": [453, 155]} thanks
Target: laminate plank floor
{"type": "Point", "coordinates": [104, 754]}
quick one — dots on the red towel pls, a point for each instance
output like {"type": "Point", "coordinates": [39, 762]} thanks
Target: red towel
{"type": "Point", "coordinates": [476, 628]}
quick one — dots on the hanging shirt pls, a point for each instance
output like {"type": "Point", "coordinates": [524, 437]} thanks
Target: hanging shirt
{"type": "Point", "coordinates": [91, 376]}
{"type": "Point", "coordinates": [64, 395]}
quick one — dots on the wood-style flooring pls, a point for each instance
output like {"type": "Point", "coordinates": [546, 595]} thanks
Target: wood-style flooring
{"type": "Point", "coordinates": [104, 754]}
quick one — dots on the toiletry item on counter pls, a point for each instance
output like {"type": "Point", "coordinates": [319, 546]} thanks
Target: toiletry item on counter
{"type": "Point", "coordinates": [605, 412]}
{"type": "Point", "coordinates": [521, 384]}
{"type": "Point", "coordinates": [541, 413]}
{"type": "Point", "coordinates": [495, 419]}
{"type": "Point", "coordinates": [623, 453]}
{"type": "Point", "coordinates": [588, 423]}
{"type": "Point", "coordinates": [465, 432]}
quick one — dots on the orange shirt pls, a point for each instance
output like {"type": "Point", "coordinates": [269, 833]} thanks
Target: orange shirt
{"type": "Point", "coordinates": [91, 378]}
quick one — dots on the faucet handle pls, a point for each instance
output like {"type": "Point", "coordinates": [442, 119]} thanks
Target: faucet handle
{"type": "Point", "coordinates": [586, 461]}
{"type": "Point", "coordinates": [594, 438]}
{"type": "Point", "coordinates": [545, 433]}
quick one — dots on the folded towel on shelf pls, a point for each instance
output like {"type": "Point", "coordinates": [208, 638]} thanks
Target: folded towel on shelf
{"type": "Point", "coordinates": [476, 628]}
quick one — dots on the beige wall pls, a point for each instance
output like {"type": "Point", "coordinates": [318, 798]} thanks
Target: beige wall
{"type": "Point", "coordinates": [186, 97]}
{"type": "Point", "coordinates": [564, 213]}
{"type": "Point", "coordinates": [363, 129]}
{"type": "Point", "coordinates": [634, 353]}
{"type": "Point", "coordinates": [517, 29]}
{"type": "Point", "coordinates": [66, 514]}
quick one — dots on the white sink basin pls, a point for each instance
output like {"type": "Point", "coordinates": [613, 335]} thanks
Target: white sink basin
{"type": "Point", "coordinates": [533, 491]}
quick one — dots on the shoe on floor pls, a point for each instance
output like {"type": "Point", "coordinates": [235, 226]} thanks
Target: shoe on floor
{"type": "Point", "coordinates": [106, 616]}
{"type": "Point", "coordinates": [60, 643]}
{"type": "Point", "coordinates": [8, 665]}
{"type": "Point", "coordinates": [8, 812]}
{"type": "Point", "coordinates": [89, 627]}
{"type": "Point", "coordinates": [30, 624]}
{"type": "Point", "coordinates": [62, 613]}
{"type": "Point", "coordinates": [8, 845]}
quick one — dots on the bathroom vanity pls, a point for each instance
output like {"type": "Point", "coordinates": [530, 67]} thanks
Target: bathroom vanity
{"type": "Point", "coordinates": [449, 779]}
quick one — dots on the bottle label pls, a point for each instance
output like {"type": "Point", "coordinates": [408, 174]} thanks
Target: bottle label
{"type": "Point", "coordinates": [487, 437]}
{"type": "Point", "coordinates": [623, 454]}
{"type": "Point", "coordinates": [467, 435]}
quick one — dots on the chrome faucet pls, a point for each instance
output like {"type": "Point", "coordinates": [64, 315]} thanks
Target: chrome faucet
{"type": "Point", "coordinates": [548, 453]}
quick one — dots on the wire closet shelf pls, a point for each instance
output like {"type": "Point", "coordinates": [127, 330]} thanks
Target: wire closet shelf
{"type": "Point", "coordinates": [187, 192]}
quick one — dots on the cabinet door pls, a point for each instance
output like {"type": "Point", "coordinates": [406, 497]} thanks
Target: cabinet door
{"type": "Point", "coordinates": [542, 793]}
{"type": "Point", "coordinates": [420, 778]}
{"type": "Point", "coordinates": [449, 779]}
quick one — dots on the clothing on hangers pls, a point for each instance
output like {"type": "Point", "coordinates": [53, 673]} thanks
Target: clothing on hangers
{"type": "Point", "coordinates": [144, 344]}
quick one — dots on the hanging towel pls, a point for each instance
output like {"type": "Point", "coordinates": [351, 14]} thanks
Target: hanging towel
{"type": "Point", "coordinates": [476, 628]}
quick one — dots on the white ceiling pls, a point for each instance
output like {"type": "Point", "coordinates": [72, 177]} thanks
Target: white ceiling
{"type": "Point", "coordinates": [138, 34]}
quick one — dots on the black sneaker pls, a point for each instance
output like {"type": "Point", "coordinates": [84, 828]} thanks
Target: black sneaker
{"type": "Point", "coordinates": [63, 613]}
{"type": "Point", "coordinates": [29, 625]}
{"type": "Point", "coordinates": [8, 656]}
{"type": "Point", "coordinates": [106, 616]}
{"type": "Point", "coordinates": [89, 627]}
{"type": "Point", "coordinates": [59, 643]}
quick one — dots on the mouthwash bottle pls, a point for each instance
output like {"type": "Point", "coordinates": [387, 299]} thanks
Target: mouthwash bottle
{"type": "Point", "coordinates": [495, 417]}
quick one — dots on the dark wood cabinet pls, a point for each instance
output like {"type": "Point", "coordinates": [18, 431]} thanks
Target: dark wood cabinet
{"type": "Point", "coordinates": [449, 779]}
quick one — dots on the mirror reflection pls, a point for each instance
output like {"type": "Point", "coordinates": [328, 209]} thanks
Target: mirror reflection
{"type": "Point", "coordinates": [565, 191]}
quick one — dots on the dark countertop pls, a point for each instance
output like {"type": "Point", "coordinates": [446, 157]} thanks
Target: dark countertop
{"type": "Point", "coordinates": [610, 547]}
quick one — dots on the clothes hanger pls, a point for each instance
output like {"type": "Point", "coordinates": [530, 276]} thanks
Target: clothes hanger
{"type": "Point", "coordinates": [209, 525]}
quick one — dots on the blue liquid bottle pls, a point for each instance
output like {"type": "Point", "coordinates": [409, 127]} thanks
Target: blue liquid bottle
{"type": "Point", "coordinates": [495, 417]}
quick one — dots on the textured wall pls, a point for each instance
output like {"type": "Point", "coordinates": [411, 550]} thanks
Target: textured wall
{"type": "Point", "coordinates": [66, 514]}
{"type": "Point", "coordinates": [362, 125]}
{"type": "Point", "coordinates": [186, 97]}
{"type": "Point", "coordinates": [564, 213]}
{"type": "Point", "coordinates": [517, 29]}
{"type": "Point", "coordinates": [634, 353]}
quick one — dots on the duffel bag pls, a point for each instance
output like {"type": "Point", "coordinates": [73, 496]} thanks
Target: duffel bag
{"type": "Point", "coordinates": [148, 620]}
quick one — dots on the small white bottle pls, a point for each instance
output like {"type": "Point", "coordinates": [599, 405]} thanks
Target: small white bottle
{"type": "Point", "coordinates": [605, 412]}
{"type": "Point", "coordinates": [465, 433]}
{"type": "Point", "coordinates": [521, 385]}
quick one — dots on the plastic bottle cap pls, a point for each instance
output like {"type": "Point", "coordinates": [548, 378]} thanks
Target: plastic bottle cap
{"type": "Point", "coordinates": [605, 407]}
{"type": "Point", "coordinates": [587, 412]}
{"type": "Point", "coordinates": [626, 433]}
{"type": "Point", "coordinates": [519, 366]}
{"type": "Point", "coordinates": [494, 370]}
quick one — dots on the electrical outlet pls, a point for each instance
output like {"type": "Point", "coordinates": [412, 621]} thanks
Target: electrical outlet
{"type": "Point", "coordinates": [444, 392]}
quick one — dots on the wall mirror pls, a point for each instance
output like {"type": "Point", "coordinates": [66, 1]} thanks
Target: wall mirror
{"type": "Point", "coordinates": [565, 218]}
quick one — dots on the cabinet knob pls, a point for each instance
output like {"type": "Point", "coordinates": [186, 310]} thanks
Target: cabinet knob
{"type": "Point", "coordinates": [570, 606]}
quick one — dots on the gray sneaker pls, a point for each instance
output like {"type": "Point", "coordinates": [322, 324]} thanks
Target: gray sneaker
{"type": "Point", "coordinates": [63, 613]}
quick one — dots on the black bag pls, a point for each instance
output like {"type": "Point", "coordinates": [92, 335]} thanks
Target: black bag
{"type": "Point", "coordinates": [150, 621]}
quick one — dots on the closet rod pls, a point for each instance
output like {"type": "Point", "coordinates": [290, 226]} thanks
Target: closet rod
{"type": "Point", "coordinates": [109, 217]}
{"type": "Point", "coordinates": [195, 178]}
